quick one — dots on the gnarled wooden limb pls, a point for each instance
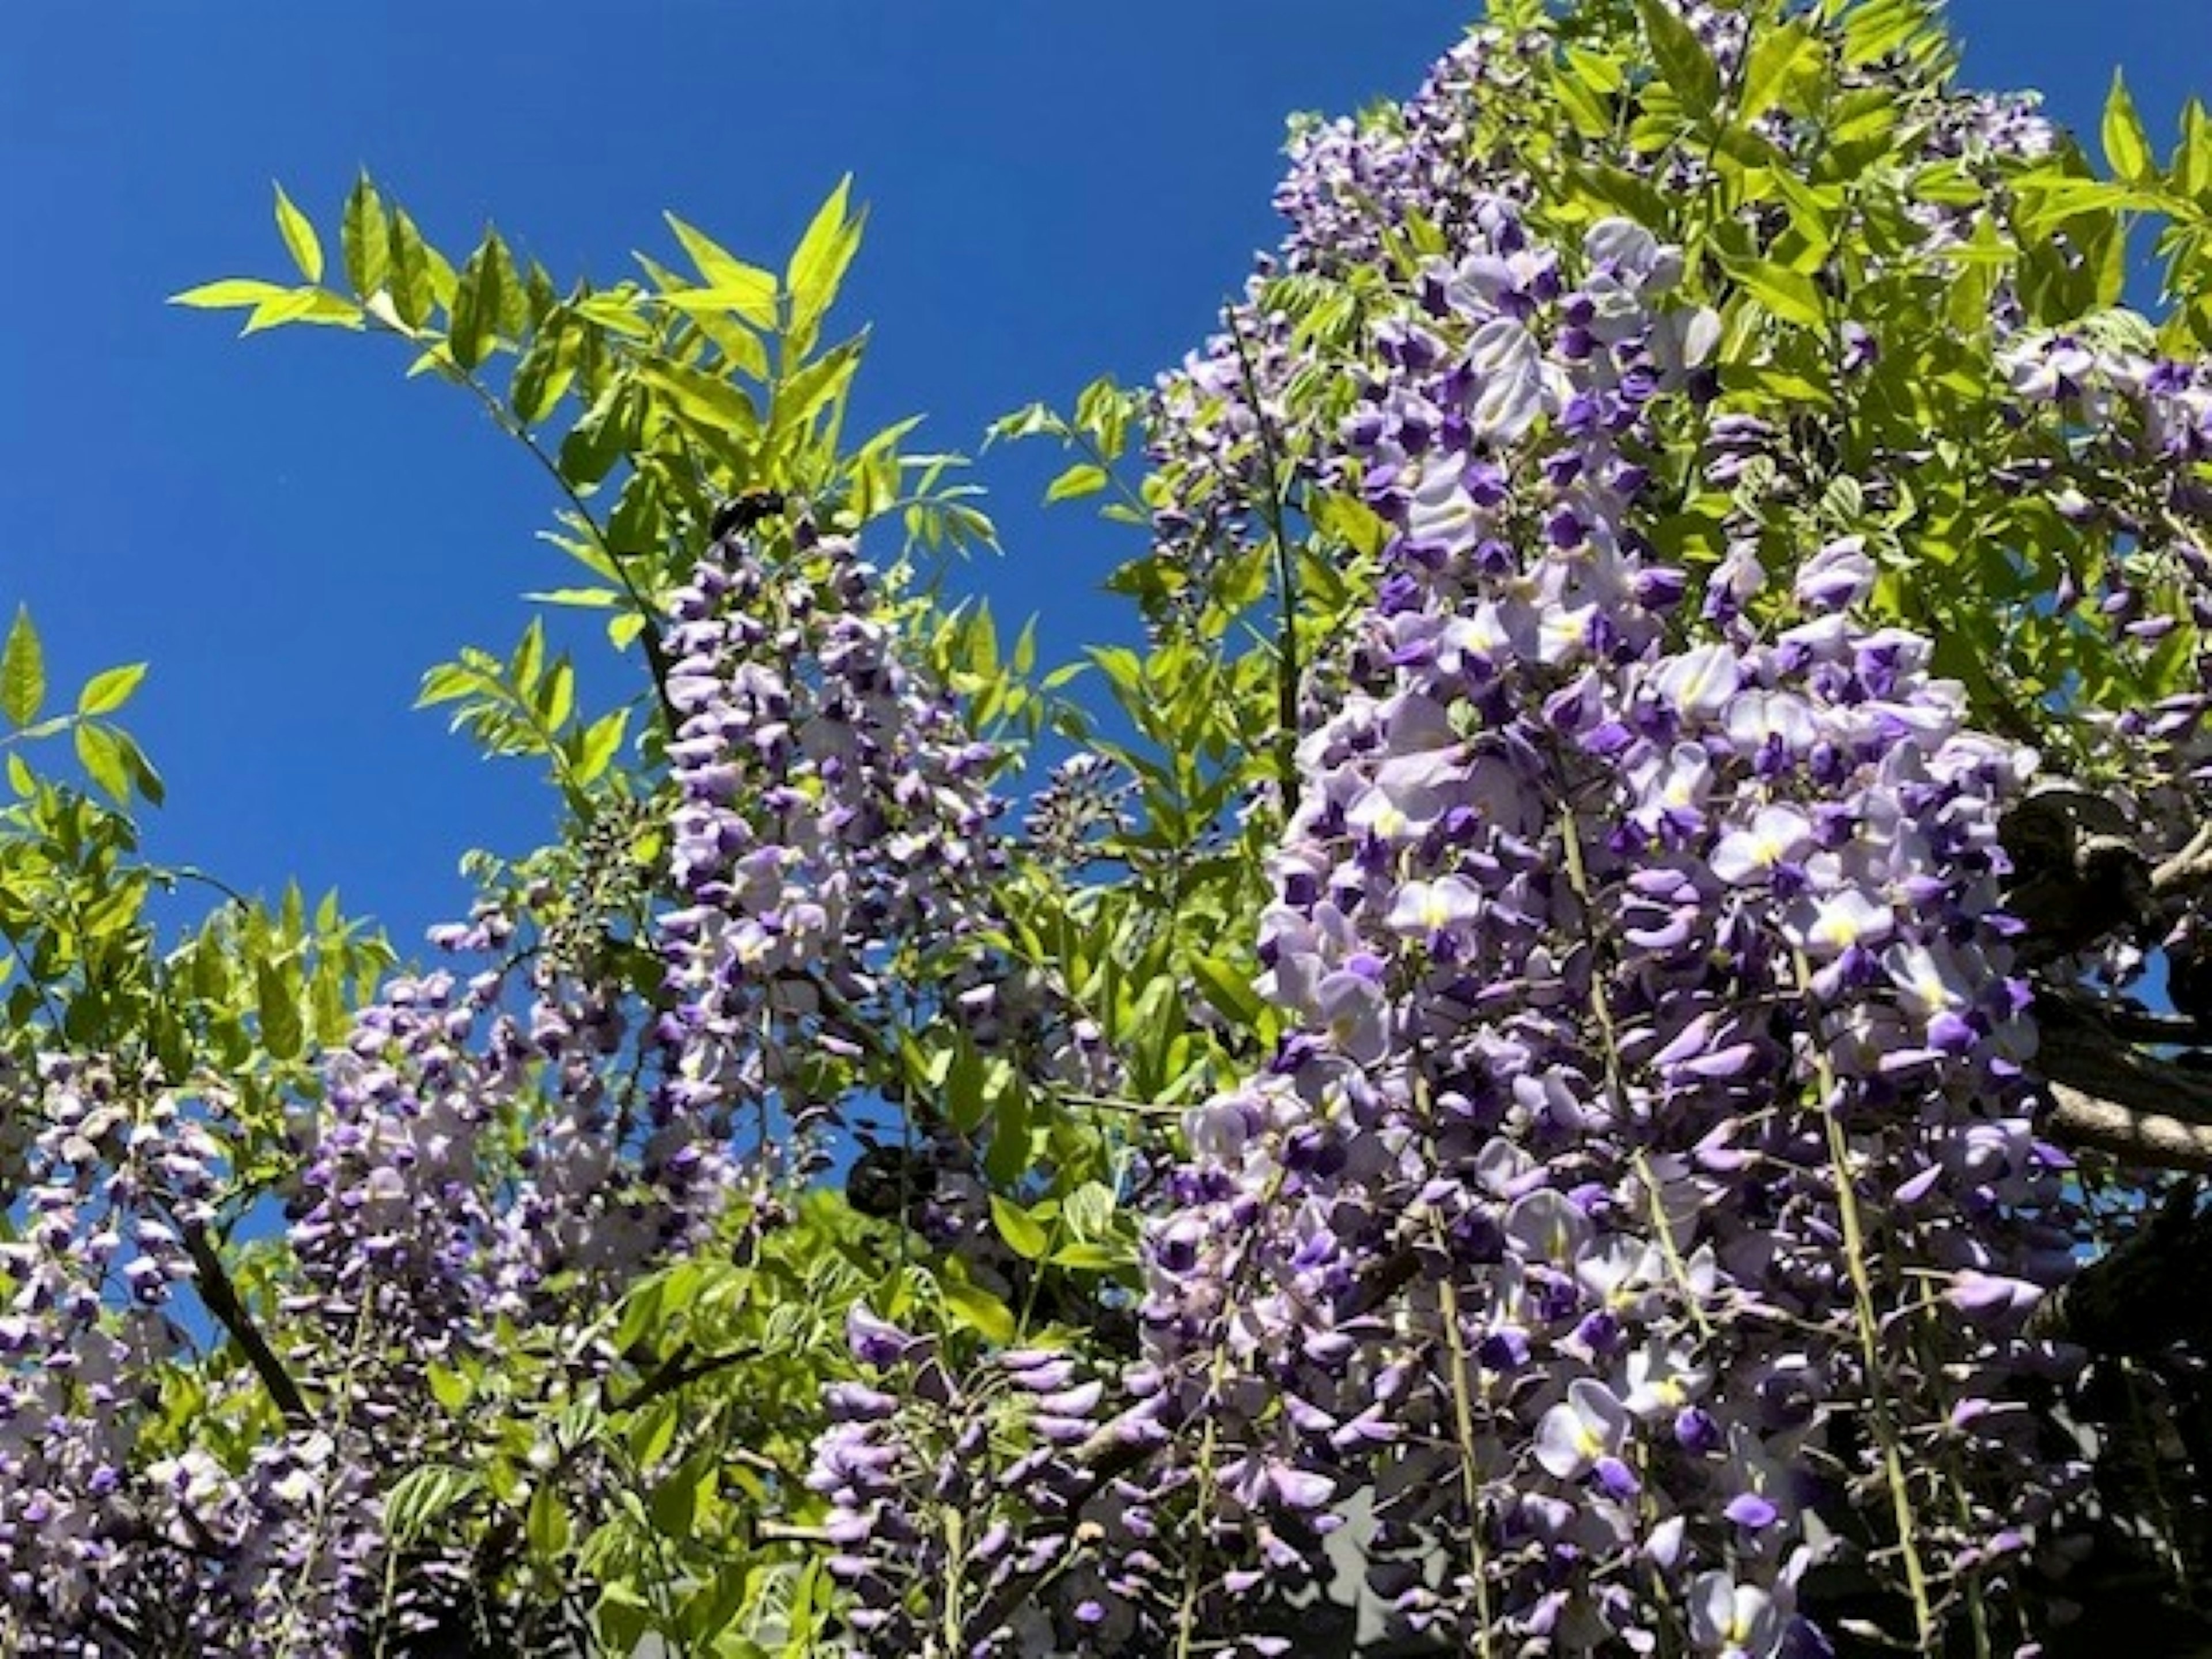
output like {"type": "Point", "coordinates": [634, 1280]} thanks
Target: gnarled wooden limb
{"type": "Point", "coordinates": [2140, 1299]}
{"type": "Point", "coordinates": [2187, 870]}
{"type": "Point", "coordinates": [220, 1298]}
{"type": "Point", "coordinates": [2107, 1094]}
{"type": "Point", "coordinates": [2147, 1140]}
{"type": "Point", "coordinates": [2078, 875]}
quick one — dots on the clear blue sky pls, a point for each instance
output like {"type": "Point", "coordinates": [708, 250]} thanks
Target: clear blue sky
{"type": "Point", "coordinates": [290, 533]}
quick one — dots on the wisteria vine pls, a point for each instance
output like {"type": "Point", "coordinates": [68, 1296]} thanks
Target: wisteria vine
{"type": "Point", "coordinates": [1647, 1209]}
{"type": "Point", "coordinates": [1639, 1225]}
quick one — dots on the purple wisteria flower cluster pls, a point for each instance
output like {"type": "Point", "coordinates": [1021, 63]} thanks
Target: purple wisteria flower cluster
{"type": "Point", "coordinates": [109, 1545]}
{"type": "Point", "coordinates": [1643, 1214]}
{"type": "Point", "coordinates": [897, 1455]}
{"type": "Point", "coordinates": [501, 1147]}
{"type": "Point", "coordinates": [1637, 1226]}
{"type": "Point", "coordinates": [1649, 1178]}
{"type": "Point", "coordinates": [834, 835]}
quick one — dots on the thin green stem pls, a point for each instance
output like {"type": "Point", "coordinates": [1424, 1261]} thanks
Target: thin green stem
{"type": "Point", "coordinates": [955, 1558]}
{"type": "Point", "coordinates": [1288, 671]}
{"type": "Point", "coordinates": [1616, 1085]}
{"type": "Point", "coordinates": [1870, 1355]}
{"type": "Point", "coordinates": [1195, 1563]}
{"type": "Point", "coordinates": [656, 655]}
{"type": "Point", "coordinates": [319, 1523]}
{"type": "Point", "coordinates": [1478, 1559]}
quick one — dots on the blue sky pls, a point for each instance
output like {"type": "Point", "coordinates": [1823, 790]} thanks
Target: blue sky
{"type": "Point", "coordinates": [290, 533]}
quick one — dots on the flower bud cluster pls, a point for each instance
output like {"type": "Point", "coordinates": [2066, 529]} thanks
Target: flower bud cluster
{"type": "Point", "coordinates": [834, 837]}
{"type": "Point", "coordinates": [1024, 1452]}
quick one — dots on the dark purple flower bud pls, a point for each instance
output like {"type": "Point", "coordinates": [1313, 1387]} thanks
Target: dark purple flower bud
{"type": "Point", "coordinates": [852, 1403]}
{"type": "Point", "coordinates": [872, 1340]}
{"type": "Point", "coordinates": [1752, 1511]}
{"type": "Point", "coordinates": [1696, 1433]}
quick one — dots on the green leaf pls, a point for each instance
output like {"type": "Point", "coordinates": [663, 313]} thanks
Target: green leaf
{"type": "Point", "coordinates": [1949, 183]}
{"type": "Point", "coordinates": [624, 1618]}
{"type": "Point", "coordinates": [577, 598]}
{"type": "Point", "coordinates": [304, 304]}
{"type": "Point", "coordinates": [544, 374]}
{"type": "Point", "coordinates": [2127, 147]}
{"type": "Point", "coordinates": [475, 308]}
{"type": "Point", "coordinates": [2045, 203]}
{"type": "Point", "coordinates": [736, 286]}
{"type": "Point", "coordinates": [811, 1598]}
{"type": "Point", "coordinates": [299, 238]}
{"type": "Point", "coordinates": [675, 1503]}
{"type": "Point", "coordinates": [1084, 478]}
{"type": "Point", "coordinates": [617, 313]}
{"type": "Point", "coordinates": [101, 756]}
{"type": "Point", "coordinates": [1880, 27]}
{"type": "Point", "coordinates": [447, 682]}
{"type": "Point", "coordinates": [596, 442]}
{"type": "Point", "coordinates": [23, 671]}
{"type": "Point", "coordinates": [448, 1387]}
{"type": "Point", "coordinates": [1779, 58]}
{"type": "Point", "coordinates": [1089, 1210]}
{"type": "Point", "coordinates": [821, 384]}
{"type": "Point", "coordinates": [1861, 126]}
{"type": "Point", "coordinates": [143, 775]}
{"type": "Point", "coordinates": [556, 697]}
{"type": "Point", "coordinates": [1635, 196]}
{"type": "Point", "coordinates": [232, 293]}
{"type": "Point", "coordinates": [745, 300]}
{"type": "Point", "coordinates": [1088, 1255]}
{"type": "Point", "coordinates": [652, 1432]}
{"type": "Point", "coordinates": [412, 288]}
{"type": "Point", "coordinates": [732, 337]}
{"type": "Point", "coordinates": [1789, 295]}
{"type": "Point", "coordinates": [529, 659]}
{"type": "Point", "coordinates": [1599, 71]}
{"type": "Point", "coordinates": [642, 1313]}
{"type": "Point", "coordinates": [818, 263]}
{"type": "Point", "coordinates": [977, 1310]}
{"type": "Point", "coordinates": [1019, 1229]}
{"type": "Point", "coordinates": [511, 311]}
{"type": "Point", "coordinates": [1684, 64]}
{"type": "Point", "coordinates": [365, 240]}
{"type": "Point", "coordinates": [600, 743]}
{"type": "Point", "coordinates": [278, 1005]}
{"type": "Point", "coordinates": [547, 1526]}
{"type": "Point", "coordinates": [1229, 990]}
{"type": "Point", "coordinates": [109, 689]}
{"type": "Point", "coordinates": [421, 1498]}
{"type": "Point", "coordinates": [713, 402]}
{"type": "Point", "coordinates": [2191, 166]}
{"type": "Point", "coordinates": [1586, 106]}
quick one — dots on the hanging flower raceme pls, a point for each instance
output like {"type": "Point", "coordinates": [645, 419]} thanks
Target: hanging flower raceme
{"type": "Point", "coordinates": [1645, 1206]}
{"type": "Point", "coordinates": [106, 1549]}
{"type": "Point", "coordinates": [1647, 1201]}
{"type": "Point", "coordinates": [829, 833]}
{"type": "Point", "coordinates": [484, 1157]}
{"type": "Point", "coordinates": [1592, 944]}
{"type": "Point", "coordinates": [834, 833]}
